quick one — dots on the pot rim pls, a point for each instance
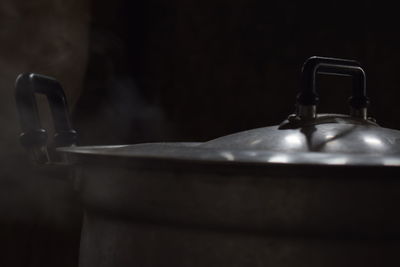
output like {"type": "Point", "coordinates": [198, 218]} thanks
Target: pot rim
{"type": "Point", "coordinates": [194, 153]}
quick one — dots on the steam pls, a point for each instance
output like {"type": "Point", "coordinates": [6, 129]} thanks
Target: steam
{"type": "Point", "coordinates": [112, 102]}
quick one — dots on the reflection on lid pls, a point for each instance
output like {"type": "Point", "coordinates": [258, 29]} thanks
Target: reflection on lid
{"type": "Point", "coordinates": [373, 141]}
{"type": "Point", "coordinates": [279, 158]}
{"type": "Point", "coordinates": [293, 140]}
{"type": "Point", "coordinates": [336, 161]}
{"type": "Point", "coordinates": [391, 161]}
{"type": "Point", "coordinates": [228, 155]}
{"type": "Point", "coordinates": [256, 142]}
{"type": "Point", "coordinates": [329, 136]}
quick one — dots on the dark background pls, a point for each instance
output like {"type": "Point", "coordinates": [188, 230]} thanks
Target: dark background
{"type": "Point", "coordinates": [191, 70]}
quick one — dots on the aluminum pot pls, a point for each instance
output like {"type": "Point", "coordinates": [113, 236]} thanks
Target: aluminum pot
{"type": "Point", "coordinates": [316, 190]}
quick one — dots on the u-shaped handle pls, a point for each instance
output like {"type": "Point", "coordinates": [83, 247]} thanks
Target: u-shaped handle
{"type": "Point", "coordinates": [33, 136]}
{"type": "Point", "coordinates": [307, 99]}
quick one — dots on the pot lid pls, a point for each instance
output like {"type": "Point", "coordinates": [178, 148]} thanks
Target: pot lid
{"type": "Point", "coordinates": [326, 133]}
{"type": "Point", "coordinates": [306, 137]}
{"type": "Point", "coordinates": [328, 140]}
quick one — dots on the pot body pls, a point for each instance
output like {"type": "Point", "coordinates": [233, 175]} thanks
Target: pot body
{"type": "Point", "coordinates": [187, 214]}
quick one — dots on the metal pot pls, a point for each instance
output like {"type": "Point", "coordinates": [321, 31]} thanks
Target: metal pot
{"type": "Point", "coordinates": [316, 190]}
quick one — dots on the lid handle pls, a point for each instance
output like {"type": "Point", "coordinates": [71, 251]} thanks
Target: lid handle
{"type": "Point", "coordinates": [33, 136]}
{"type": "Point", "coordinates": [307, 99]}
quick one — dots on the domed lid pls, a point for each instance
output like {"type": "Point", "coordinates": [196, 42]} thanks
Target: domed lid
{"type": "Point", "coordinates": [327, 133]}
{"type": "Point", "coordinates": [304, 138]}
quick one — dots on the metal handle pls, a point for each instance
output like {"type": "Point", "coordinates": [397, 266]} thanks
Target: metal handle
{"type": "Point", "coordinates": [308, 97]}
{"type": "Point", "coordinates": [33, 136]}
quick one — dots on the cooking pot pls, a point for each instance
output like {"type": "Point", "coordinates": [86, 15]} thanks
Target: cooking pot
{"type": "Point", "coordinates": [316, 190]}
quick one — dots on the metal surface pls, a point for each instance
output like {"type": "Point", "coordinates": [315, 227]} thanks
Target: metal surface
{"type": "Point", "coordinates": [181, 152]}
{"type": "Point", "coordinates": [277, 215]}
{"type": "Point", "coordinates": [330, 139]}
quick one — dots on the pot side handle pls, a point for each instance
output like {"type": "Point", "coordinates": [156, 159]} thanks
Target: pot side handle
{"type": "Point", "coordinates": [308, 99]}
{"type": "Point", "coordinates": [33, 136]}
